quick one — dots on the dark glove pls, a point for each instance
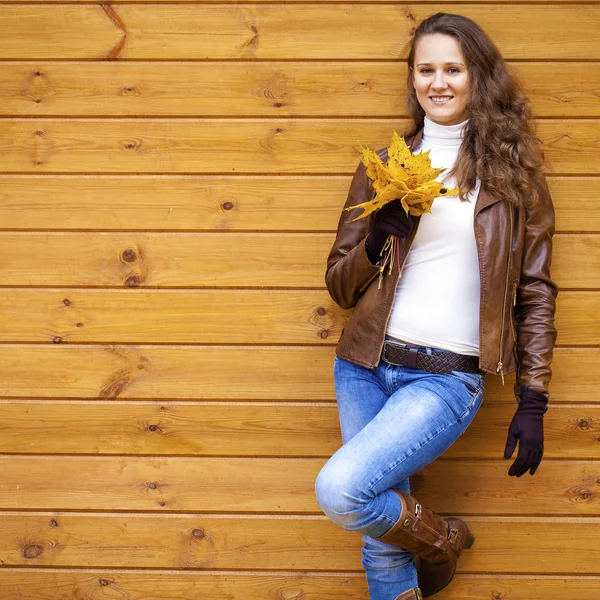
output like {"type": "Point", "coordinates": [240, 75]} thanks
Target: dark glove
{"type": "Point", "coordinates": [527, 426]}
{"type": "Point", "coordinates": [389, 220]}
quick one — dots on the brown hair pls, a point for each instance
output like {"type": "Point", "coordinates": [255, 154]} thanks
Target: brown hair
{"type": "Point", "coordinates": [499, 146]}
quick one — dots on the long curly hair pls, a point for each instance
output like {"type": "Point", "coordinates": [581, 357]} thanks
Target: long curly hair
{"type": "Point", "coordinates": [499, 146]}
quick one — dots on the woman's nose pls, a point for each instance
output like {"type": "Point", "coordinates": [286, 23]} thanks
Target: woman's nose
{"type": "Point", "coordinates": [439, 81]}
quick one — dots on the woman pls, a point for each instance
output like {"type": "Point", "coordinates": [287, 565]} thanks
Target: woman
{"type": "Point", "coordinates": [475, 298]}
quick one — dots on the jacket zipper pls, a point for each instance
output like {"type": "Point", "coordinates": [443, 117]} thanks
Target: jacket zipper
{"type": "Point", "coordinates": [512, 314]}
{"type": "Point", "coordinates": [499, 366]}
{"type": "Point", "coordinates": [389, 314]}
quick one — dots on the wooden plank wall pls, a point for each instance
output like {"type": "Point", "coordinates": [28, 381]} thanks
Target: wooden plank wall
{"type": "Point", "coordinates": [171, 176]}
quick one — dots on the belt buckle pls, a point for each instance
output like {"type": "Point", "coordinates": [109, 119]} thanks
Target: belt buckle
{"type": "Point", "coordinates": [396, 343]}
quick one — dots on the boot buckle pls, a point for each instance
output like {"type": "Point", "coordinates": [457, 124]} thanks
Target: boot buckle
{"type": "Point", "coordinates": [452, 534]}
{"type": "Point", "coordinates": [417, 510]}
{"type": "Point", "coordinates": [418, 594]}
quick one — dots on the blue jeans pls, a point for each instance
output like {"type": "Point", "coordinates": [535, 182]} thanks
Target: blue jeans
{"type": "Point", "coordinates": [394, 421]}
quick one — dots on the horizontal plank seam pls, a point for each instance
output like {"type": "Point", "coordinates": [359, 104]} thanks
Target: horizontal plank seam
{"type": "Point", "coordinates": [241, 117]}
{"type": "Point", "coordinates": [221, 120]}
{"type": "Point", "coordinates": [279, 457]}
{"type": "Point", "coordinates": [475, 518]}
{"type": "Point", "coordinates": [265, 572]}
{"type": "Point", "coordinates": [331, 405]}
{"type": "Point", "coordinates": [307, 60]}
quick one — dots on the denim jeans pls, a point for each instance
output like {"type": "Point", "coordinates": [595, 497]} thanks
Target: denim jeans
{"type": "Point", "coordinates": [394, 421]}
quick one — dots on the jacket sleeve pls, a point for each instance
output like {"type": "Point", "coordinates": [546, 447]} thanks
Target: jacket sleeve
{"type": "Point", "coordinates": [349, 271]}
{"type": "Point", "coordinates": [536, 299]}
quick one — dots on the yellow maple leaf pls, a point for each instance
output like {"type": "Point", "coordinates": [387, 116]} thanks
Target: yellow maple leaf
{"type": "Point", "coordinates": [407, 177]}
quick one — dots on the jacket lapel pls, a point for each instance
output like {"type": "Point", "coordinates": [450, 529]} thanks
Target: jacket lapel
{"type": "Point", "coordinates": [483, 198]}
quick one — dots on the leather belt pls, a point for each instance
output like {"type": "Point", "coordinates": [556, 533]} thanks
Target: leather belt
{"type": "Point", "coordinates": [397, 354]}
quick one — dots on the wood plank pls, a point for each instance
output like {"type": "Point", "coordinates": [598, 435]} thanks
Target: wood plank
{"type": "Point", "coordinates": [202, 316]}
{"type": "Point", "coordinates": [217, 373]}
{"type": "Point", "coordinates": [254, 31]}
{"type": "Point", "coordinates": [49, 584]}
{"type": "Point", "coordinates": [255, 429]}
{"type": "Point", "coordinates": [250, 203]}
{"type": "Point", "coordinates": [227, 146]}
{"type": "Point", "coordinates": [484, 487]}
{"type": "Point", "coordinates": [567, 250]}
{"type": "Point", "coordinates": [182, 316]}
{"type": "Point", "coordinates": [171, 203]}
{"type": "Point", "coordinates": [265, 89]}
{"type": "Point", "coordinates": [282, 486]}
{"type": "Point", "coordinates": [169, 260]}
{"type": "Point", "coordinates": [504, 544]}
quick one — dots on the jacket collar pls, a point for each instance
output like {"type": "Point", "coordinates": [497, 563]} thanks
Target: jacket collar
{"type": "Point", "coordinates": [484, 199]}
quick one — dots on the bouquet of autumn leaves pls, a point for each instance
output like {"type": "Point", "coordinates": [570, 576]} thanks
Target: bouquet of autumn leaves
{"type": "Point", "coordinates": [407, 177]}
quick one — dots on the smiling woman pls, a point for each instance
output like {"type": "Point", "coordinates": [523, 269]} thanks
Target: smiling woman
{"type": "Point", "coordinates": [475, 298]}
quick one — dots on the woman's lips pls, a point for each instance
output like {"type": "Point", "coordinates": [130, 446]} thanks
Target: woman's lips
{"type": "Point", "coordinates": [440, 99]}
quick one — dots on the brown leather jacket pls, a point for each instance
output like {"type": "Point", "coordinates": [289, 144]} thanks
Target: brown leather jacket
{"type": "Point", "coordinates": [517, 301]}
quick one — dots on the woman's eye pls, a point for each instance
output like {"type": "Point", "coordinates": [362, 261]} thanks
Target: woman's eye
{"type": "Point", "coordinates": [452, 70]}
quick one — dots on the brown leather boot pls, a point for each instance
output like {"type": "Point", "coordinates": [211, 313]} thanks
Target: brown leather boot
{"type": "Point", "coordinates": [412, 594]}
{"type": "Point", "coordinates": [436, 542]}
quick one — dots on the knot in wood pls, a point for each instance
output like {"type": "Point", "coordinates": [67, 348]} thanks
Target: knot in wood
{"type": "Point", "coordinates": [57, 340]}
{"type": "Point", "coordinates": [78, 324]}
{"type": "Point", "coordinates": [227, 205]}
{"type": "Point", "coordinates": [103, 582]}
{"type": "Point", "coordinates": [32, 551]}
{"type": "Point", "coordinates": [54, 523]}
{"type": "Point", "coordinates": [324, 334]}
{"type": "Point", "coordinates": [133, 281]}
{"type": "Point", "coordinates": [67, 302]}
{"type": "Point", "coordinates": [131, 145]}
{"type": "Point", "coordinates": [128, 90]}
{"type": "Point", "coordinates": [583, 424]}
{"type": "Point", "coordinates": [152, 485]}
{"type": "Point", "coordinates": [321, 311]}
{"type": "Point", "coordinates": [152, 427]}
{"type": "Point", "coordinates": [38, 73]}
{"type": "Point", "coordinates": [198, 534]}
{"type": "Point", "coordinates": [129, 255]}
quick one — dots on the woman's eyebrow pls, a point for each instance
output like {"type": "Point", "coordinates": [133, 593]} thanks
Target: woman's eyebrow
{"type": "Point", "coordinates": [446, 63]}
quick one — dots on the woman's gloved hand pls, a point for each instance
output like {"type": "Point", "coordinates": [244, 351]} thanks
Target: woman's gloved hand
{"type": "Point", "coordinates": [527, 426]}
{"type": "Point", "coordinates": [389, 220]}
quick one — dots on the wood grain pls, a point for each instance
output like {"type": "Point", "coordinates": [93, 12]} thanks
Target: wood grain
{"type": "Point", "coordinates": [504, 544]}
{"type": "Point", "coordinates": [255, 31]}
{"type": "Point", "coordinates": [171, 260]}
{"type": "Point", "coordinates": [203, 317]}
{"type": "Point", "coordinates": [218, 373]}
{"type": "Point", "coordinates": [255, 429]}
{"type": "Point", "coordinates": [214, 203]}
{"type": "Point", "coordinates": [53, 584]}
{"type": "Point", "coordinates": [280, 486]}
{"type": "Point", "coordinates": [227, 146]}
{"type": "Point", "coordinates": [266, 89]}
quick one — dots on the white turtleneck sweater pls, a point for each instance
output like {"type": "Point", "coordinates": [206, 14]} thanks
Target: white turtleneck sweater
{"type": "Point", "coordinates": [437, 298]}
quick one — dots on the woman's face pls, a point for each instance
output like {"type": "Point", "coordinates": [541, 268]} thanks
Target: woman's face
{"type": "Point", "coordinates": [441, 78]}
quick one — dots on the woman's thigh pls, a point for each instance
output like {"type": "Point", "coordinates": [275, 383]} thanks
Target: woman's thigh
{"type": "Point", "coordinates": [420, 420]}
{"type": "Point", "coordinates": [360, 396]}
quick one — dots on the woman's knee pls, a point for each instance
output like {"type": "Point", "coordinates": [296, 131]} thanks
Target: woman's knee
{"type": "Point", "coordinates": [339, 497]}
